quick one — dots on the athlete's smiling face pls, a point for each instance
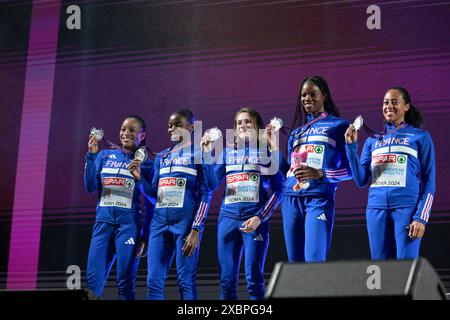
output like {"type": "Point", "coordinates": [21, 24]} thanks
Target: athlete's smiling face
{"type": "Point", "coordinates": [178, 127]}
{"type": "Point", "coordinates": [312, 98]}
{"type": "Point", "coordinates": [131, 134]}
{"type": "Point", "coordinates": [245, 128]}
{"type": "Point", "coordinates": [394, 107]}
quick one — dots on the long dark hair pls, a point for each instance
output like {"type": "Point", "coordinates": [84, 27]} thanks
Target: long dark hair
{"type": "Point", "coordinates": [413, 116]}
{"type": "Point", "coordinates": [329, 105]}
{"type": "Point", "coordinates": [142, 124]}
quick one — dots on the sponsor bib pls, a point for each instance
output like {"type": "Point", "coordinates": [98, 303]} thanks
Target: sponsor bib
{"type": "Point", "coordinates": [315, 154]}
{"type": "Point", "coordinates": [242, 187]}
{"type": "Point", "coordinates": [117, 192]}
{"type": "Point", "coordinates": [171, 192]}
{"type": "Point", "coordinates": [389, 170]}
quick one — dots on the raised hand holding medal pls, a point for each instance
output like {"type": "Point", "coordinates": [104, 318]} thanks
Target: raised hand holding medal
{"type": "Point", "coordinates": [358, 123]}
{"type": "Point", "coordinates": [95, 136]}
{"type": "Point", "coordinates": [210, 136]}
{"type": "Point", "coordinates": [140, 155]}
{"type": "Point", "coordinates": [351, 135]}
{"type": "Point", "coordinates": [213, 134]}
{"type": "Point", "coordinates": [271, 133]}
{"type": "Point", "coordinates": [97, 133]}
{"type": "Point", "coordinates": [276, 123]}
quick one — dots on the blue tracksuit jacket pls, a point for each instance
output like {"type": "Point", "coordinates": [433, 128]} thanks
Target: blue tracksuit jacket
{"type": "Point", "coordinates": [117, 228]}
{"type": "Point", "coordinates": [183, 200]}
{"type": "Point", "coordinates": [246, 195]}
{"type": "Point", "coordinates": [308, 214]}
{"type": "Point", "coordinates": [400, 168]}
{"type": "Point", "coordinates": [326, 150]}
{"type": "Point", "coordinates": [247, 185]}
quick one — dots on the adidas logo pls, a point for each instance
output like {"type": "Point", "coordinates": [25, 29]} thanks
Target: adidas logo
{"type": "Point", "coordinates": [130, 241]}
{"type": "Point", "coordinates": [112, 156]}
{"type": "Point", "coordinates": [258, 238]}
{"type": "Point", "coordinates": [322, 217]}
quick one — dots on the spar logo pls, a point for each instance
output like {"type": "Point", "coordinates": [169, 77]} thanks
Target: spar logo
{"type": "Point", "coordinates": [238, 177]}
{"type": "Point", "coordinates": [389, 158]}
{"type": "Point", "coordinates": [242, 177]}
{"type": "Point", "coordinates": [318, 149]}
{"type": "Point", "coordinates": [308, 148]}
{"type": "Point", "coordinates": [118, 182]}
{"type": "Point", "coordinates": [167, 182]}
{"type": "Point", "coordinates": [171, 182]}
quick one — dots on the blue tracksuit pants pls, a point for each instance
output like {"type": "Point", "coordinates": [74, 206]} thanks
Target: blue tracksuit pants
{"type": "Point", "coordinates": [231, 243]}
{"type": "Point", "coordinates": [308, 225]}
{"type": "Point", "coordinates": [388, 234]}
{"type": "Point", "coordinates": [165, 242]}
{"type": "Point", "coordinates": [108, 241]}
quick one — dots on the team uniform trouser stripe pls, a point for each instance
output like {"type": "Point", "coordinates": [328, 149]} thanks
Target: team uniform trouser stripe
{"type": "Point", "coordinates": [200, 214]}
{"type": "Point", "coordinates": [269, 206]}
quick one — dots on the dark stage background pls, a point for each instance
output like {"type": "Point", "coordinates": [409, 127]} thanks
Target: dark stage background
{"type": "Point", "coordinates": [154, 57]}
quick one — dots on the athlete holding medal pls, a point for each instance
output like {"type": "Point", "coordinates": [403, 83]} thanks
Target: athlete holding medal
{"type": "Point", "coordinates": [400, 166]}
{"type": "Point", "coordinates": [117, 233]}
{"type": "Point", "coordinates": [251, 196]}
{"type": "Point", "coordinates": [315, 164]}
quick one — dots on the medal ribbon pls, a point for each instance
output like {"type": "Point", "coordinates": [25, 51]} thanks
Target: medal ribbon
{"type": "Point", "coordinates": [379, 135]}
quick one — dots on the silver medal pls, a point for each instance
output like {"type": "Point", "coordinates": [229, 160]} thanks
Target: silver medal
{"type": "Point", "coordinates": [97, 133]}
{"type": "Point", "coordinates": [305, 185]}
{"type": "Point", "coordinates": [141, 154]}
{"type": "Point", "coordinates": [358, 123]}
{"type": "Point", "coordinates": [277, 123]}
{"type": "Point", "coordinates": [213, 134]}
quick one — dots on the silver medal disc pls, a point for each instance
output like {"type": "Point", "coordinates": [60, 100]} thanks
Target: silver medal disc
{"type": "Point", "coordinates": [305, 185]}
{"type": "Point", "coordinates": [277, 123]}
{"type": "Point", "coordinates": [358, 123]}
{"type": "Point", "coordinates": [97, 133]}
{"type": "Point", "coordinates": [214, 134]}
{"type": "Point", "coordinates": [140, 154]}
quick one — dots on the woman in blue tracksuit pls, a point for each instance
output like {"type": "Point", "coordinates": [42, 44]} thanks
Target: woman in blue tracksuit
{"type": "Point", "coordinates": [400, 166]}
{"type": "Point", "coordinates": [182, 204]}
{"type": "Point", "coordinates": [117, 229]}
{"type": "Point", "coordinates": [243, 224]}
{"type": "Point", "coordinates": [310, 186]}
